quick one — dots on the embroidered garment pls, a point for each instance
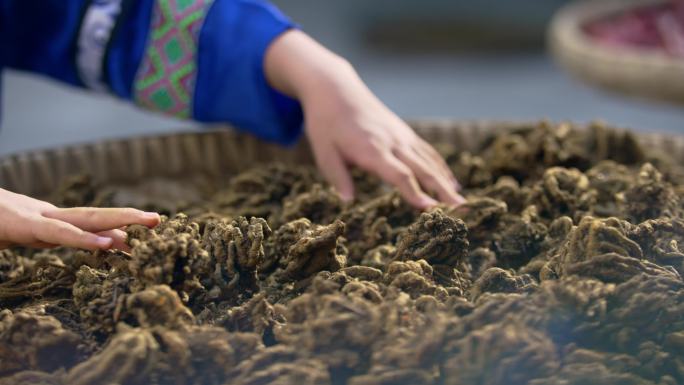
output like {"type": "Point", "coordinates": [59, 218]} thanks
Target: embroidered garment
{"type": "Point", "coordinates": [96, 30]}
{"type": "Point", "coordinates": [198, 59]}
{"type": "Point", "coordinates": [167, 75]}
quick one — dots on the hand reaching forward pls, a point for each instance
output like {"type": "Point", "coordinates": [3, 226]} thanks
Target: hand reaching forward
{"type": "Point", "coordinates": [30, 222]}
{"type": "Point", "coordinates": [347, 125]}
{"type": "Point", "coordinates": [350, 126]}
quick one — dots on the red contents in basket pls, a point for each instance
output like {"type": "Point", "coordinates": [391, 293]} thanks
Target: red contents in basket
{"type": "Point", "coordinates": [649, 27]}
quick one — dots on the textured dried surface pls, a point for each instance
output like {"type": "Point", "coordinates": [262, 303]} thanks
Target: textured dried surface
{"type": "Point", "coordinates": [563, 268]}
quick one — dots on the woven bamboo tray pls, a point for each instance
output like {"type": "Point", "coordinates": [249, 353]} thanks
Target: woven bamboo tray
{"type": "Point", "coordinates": [647, 74]}
{"type": "Point", "coordinates": [215, 153]}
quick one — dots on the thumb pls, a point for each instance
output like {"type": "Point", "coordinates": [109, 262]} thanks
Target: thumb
{"type": "Point", "coordinates": [335, 171]}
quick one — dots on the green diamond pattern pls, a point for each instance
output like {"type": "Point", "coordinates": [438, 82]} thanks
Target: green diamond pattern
{"type": "Point", "coordinates": [173, 50]}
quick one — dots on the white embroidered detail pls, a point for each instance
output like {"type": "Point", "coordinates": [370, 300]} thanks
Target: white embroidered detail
{"type": "Point", "coordinates": [96, 31]}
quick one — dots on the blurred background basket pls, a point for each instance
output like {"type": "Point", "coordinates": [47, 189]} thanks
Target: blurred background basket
{"type": "Point", "coordinates": [646, 74]}
{"type": "Point", "coordinates": [215, 153]}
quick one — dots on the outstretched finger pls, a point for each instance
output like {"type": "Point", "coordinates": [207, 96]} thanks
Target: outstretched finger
{"type": "Point", "coordinates": [118, 238]}
{"type": "Point", "coordinates": [102, 219]}
{"type": "Point", "coordinates": [56, 232]}
{"type": "Point", "coordinates": [430, 177]}
{"type": "Point", "coordinates": [392, 170]}
{"type": "Point", "coordinates": [335, 171]}
{"type": "Point", "coordinates": [429, 153]}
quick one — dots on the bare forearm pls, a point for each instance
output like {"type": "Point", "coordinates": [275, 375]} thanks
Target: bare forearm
{"type": "Point", "coordinates": [298, 66]}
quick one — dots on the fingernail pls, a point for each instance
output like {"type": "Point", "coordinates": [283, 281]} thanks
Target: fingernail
{"type": "Point", "coordinates": [346, 197]}
{"type": "Point", "coordinates": [104, 242]}
{"type": "Point", "coordinates": [427, 202]}
{"type": "Point", "coordinates": [461, 201]}
{"type": "Point", "coordinates": [151, 215]}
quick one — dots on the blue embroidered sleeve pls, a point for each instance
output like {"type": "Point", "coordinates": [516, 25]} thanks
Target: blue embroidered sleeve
{"type": "Point", "coordinates": [109, 45]}
{"type": "Point", "coordinates": [231, 85]}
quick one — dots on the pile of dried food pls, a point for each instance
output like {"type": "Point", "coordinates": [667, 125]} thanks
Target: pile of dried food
{"type": "Point", "coordinates": [564, 267]}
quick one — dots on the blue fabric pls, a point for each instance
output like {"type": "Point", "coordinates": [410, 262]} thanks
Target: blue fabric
{"type": "Point", "coordinates": [231, 85]}
{"type": "Point", "coordinates": [40, 35]}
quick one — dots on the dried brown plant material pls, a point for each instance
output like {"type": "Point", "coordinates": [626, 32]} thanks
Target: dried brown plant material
{"type": "Point", "coordinates": [35, 342]}
{"type": "Point", "coordinates": [363, 273]}
{"type": "Point", "coordinates": [77, 191]}
{"type": "Point", "coordinates": [320, 205]}
{"type": "Point", "coordinates": [414, 278]}
{"type": "Point", "coordinates": [366, 185]}
{"type": "Point", "coordinates": [33, 378]}
{"type": "Point", "coordinates": [32, 277]}
{"type": "Point", "coordinates": [434, 237]}
{"type": "Point", "coordinates": [376, 237]}
{"type": "Point", "coordinates": [496, 280]}
{"type": "Point", "coordinates": [479, 260]}
{"type": "Point", "coordinates": [610, 180]}
{"type": "Point", "coordinates": [278, 246]}
{"type": "Point", "coordinates": [316, 249]}
{"type": "Point", "coordinates": [172, 255]}
{"type": "Point", "coordinates": [660, 240]}
{"type": "Point", "coordinates": [259, 191]}
{"type": "Point", "coordinates": [198, 355]}
{"type": "Point", "coordinates": [651, 197]}
{"type": "Point", "coordinates": [586, 366]}
{"type": "Point", "coordinates": [525, 152]}
{"type": "Point", "coordinates": [558, 231]}
{"type": "Point", "coordinates": [215, 354]}
{"type": "Point", "coordinates": [393, 377]}
{"type": "Point", "coordinates": [500, 354]}
{"type": "Point", "coordinates": [521, 238]}
{"type": "Point", "coordinates": [471, 170]}
{"type": "Point", "coordinates": [99, 299]}
{"type": "Point", "coordinates": [12, 265]}
{"type": "Point", "coordinates": [511, 155]}
{"type": "Point", "coordinates": [129, 358]}
{"type": "Point", "coordinates": [236, 250]}
{"type": "Point", "coordinates": [509, 191]}
{"type": "Point", "coordinates": [481, 215]}
{"type": "Point", "coordinates": [256, 315]}
{"type": "Point", "coordinates": [589, 241]}
{"type": "Point", "coordinates": [379, 257]}
{"type": "Point", "coordinates": [156, 306]}
{"type": "Point", "coordinates": [561, 192]}
{"type": "Point", "coordinates": [376, 222]}
{"type": "Point", "coordinates": [564, 267]}
{"type": "Point", "coordinates": [281, 365]}
{"type": "Point", "coordinates": [613, 267]}
{"type": "Point", "coordinates": [334, 328]}
{"type": "Point", "coordinates": [650, 310]}
{"type": "Point", "coordinates": [359, 281]}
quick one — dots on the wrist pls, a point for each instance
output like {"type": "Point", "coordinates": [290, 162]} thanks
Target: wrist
{"type": "Point", "coordinates": [335, 76]}
{"type": "Point", "coordinates": [298, 66]}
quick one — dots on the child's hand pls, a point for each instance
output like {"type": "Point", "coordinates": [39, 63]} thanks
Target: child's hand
{"type": "Point", "coordinates": [29, 222]}
{"type": "Point", "coordinates": [347, 125]}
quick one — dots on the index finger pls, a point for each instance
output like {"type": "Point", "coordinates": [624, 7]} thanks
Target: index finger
{"type": "Point", "coordinates": [101, 219]}
{"type": "Point", "coordinates": [56, 232]}
{"type": "Point", "coordinates": [393, 171]}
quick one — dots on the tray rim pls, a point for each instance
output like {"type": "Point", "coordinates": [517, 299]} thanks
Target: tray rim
{"type": "Point", "coordinates": [218, 151]}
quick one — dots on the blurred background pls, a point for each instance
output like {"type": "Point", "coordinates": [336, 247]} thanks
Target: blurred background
{"type": "Point", "coordinates": [434, 58]}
